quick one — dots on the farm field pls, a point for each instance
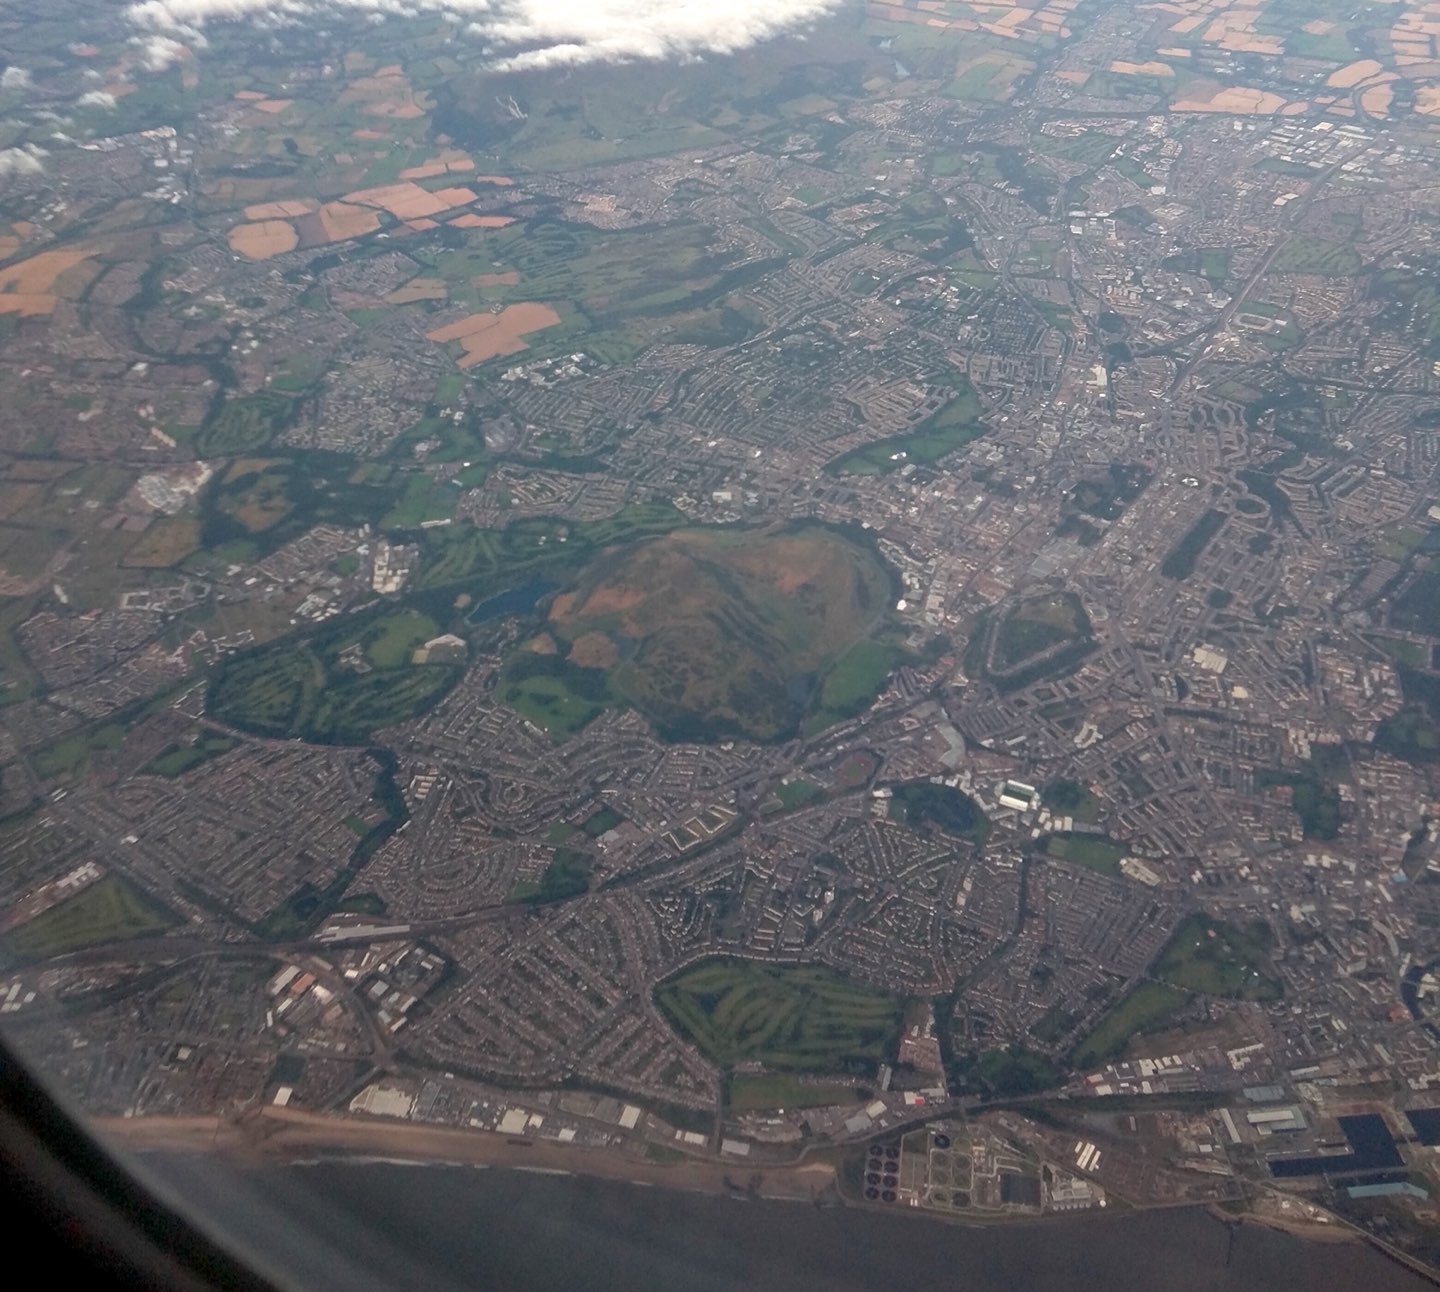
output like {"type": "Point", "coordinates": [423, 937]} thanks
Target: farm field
{"type": "Point", "coordinates": [797, 1018]}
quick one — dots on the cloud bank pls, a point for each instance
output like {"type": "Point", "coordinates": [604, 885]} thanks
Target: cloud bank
{"type": "Point", "coordinates": [24, 160]}
{"type": "Point", "coordinates": [522, 34]}
{"type": "Point", "coordinates": [14, 78]}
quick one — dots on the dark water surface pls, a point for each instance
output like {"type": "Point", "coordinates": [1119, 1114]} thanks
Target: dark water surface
{"type": "Point", "coordinates": [443, 1228]}
{"type": "Point", "coordinates": [517, 601]}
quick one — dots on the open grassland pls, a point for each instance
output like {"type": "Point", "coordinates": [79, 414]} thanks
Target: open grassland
{"type": "Point", "coordinates": [1070, 798]}
{"type": "Point", "coordinates": [1092, 850]}
{"type": "Point", "coordinates": [952, 427]}
{"type": "Point", "coordinates": [751, 1092]}
{"type": "Point", "coordinates": [175, 760]}
{"type": "Point", "coordinates": [709, 633]}
{"type": "Point", "coordinates": [798, 1018]}
{"type": "Point", "coordinates": [1147, 1008]}
{"type": "Point", "coordinates": [1219, 959]}
{"type": "Point", "coordinates": [1302, 255]}
{"type": "Point", "coordinates": [1038, 624]}
{"type": "Point", "coordinates": [166, 542]}
{"type": "Point", "coordinates": [1044, 636]}
{"type": "Point", "coordinates": [108, 910]}
{"type": "Point", "coordinates": [68, 759]}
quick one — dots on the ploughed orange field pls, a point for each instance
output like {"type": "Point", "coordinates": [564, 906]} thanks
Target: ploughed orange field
{"type": "Point", "coordinates": [287, 210]}
{"type": "Point", "coordinates": [28, 288]}
{"type": "Point", "coordinates": [437, 167]}
{"type": "Point", "coordinates": [263, 239]}
{"type": "Point", "coordinates": [473, 221]}
{"type": "Point", "coordinates": [408, 201]}
{"type": "Point", "coordinates": [387, 93]}
{"type": "Point", "coordinates": [488, 336]}
{"type": "Point", "coordinates": [510, 278]}
{"type": "Point", "coordinates": [355, 215]}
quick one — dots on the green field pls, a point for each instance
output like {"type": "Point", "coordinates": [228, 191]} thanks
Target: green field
{"type": "Point", "coordinates": [1180, 563]}
{"type": "Point", "coordinates": [1092, 850]}
{"type": "Point", "coordinates": [68, 758]}
{"type": "Point", "coordinates": [486, 561]}
{"type": "Point", "coordinates": [1045, 635]}
{"type": "Point", "coordinates": [853, 682]}
{"type": "Point", "coordinates": [1314, 796]}
{"type": "Point", "coordinates": [798, 1018]}
{"type": "Point", "coordinates": [797, 793]}
{"type": "Point", "coordinates": [1016, 1071]}
{"type": "Point", "coordinates": [393, 639]}
{"type": "Point", "coordinates": [1417, 609]}
{"type": "Point", "coordinates": [1209, 262]}
{"type": "Point", "coordinates": [1218, 959]}
{"type": "Point", "coordinates": [244, 425]}
{"type": "Point", "coordinates": [567, 875]}
{"type": "Point", "coordinates": [751, 1092]}
{"type": "Point", "coordinates": [335, 685]}
{"type": "Point", "coordinates": [921, 804]}
{"type": "Point", "coordinates": [175, 760]}
{"type": "Point", "coordinates": [423, 499]}
{"type": "Point", "coordinates": [108, 910]}
{"type": "Point", "coordinates": [711, 634]}
{"type": "Point", "coordinates": [952, 427]}
{"type": "Point", "coordinates": [1037, 625]}
{"type": "Point", "coordinates": [1070, 798]}
{"type": "Point", "coordinates": [1302, 255]}
{"type": "Point", "coordinates": [603, 821]}
{"type": "Point", "coordinates": [1148, 1007]}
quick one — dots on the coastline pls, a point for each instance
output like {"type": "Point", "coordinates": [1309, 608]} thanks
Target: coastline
{"type": "Point", "coordinates": [381, 1191]}
{"type": "Point", "coordinates": [276, 1136]}
{"type": "Point", "coordinates": [271, 1136]}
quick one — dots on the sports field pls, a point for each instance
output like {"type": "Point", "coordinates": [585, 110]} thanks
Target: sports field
{"type": "Point", "coordinates": [108, 910]}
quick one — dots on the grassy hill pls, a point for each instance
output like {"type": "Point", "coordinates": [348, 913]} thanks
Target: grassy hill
{"type": "Point", "coordinates": [713, 634]}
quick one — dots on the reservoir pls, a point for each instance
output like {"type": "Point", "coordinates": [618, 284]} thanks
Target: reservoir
{"type": "Point", "coordinates": [517, 601]}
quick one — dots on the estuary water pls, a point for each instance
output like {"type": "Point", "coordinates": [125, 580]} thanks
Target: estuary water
{"type": "Point", "coordinates": [441, 1228]}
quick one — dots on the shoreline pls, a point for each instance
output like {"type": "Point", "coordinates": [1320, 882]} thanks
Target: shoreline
{"type": "Point", "coordinates": [271, 1136]}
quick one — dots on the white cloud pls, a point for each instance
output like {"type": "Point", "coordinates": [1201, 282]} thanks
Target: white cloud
{"type": "Point", "coordinates": [14, 78]}
{"type": "Point", "coordinates": [96, 99]}
{"type": "Point", "coordinates": [24, 160]}
{"type": "Point", "coordinates": [159, 52]}
{"type": "Point", "coordinates": [531, 33]}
